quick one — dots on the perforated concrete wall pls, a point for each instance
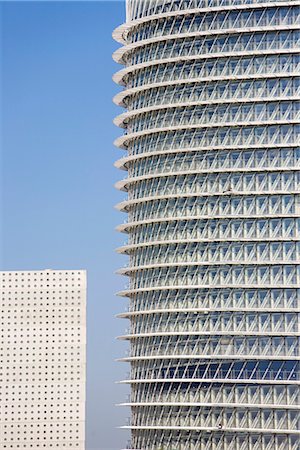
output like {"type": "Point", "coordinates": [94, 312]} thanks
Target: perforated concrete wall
{"type": "Point", "coordinates": [42, 360]}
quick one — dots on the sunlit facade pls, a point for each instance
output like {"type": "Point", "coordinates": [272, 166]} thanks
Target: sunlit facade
{"type": "Point", "coordinates": [211, 92]}
{"type": "Point", "coordinates": [42, 359]}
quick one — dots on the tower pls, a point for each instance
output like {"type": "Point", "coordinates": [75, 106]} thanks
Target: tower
{"type": "Point", "coordinates": [211, 89]}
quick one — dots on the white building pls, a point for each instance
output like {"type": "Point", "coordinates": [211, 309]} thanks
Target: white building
{"type": "Point", "coordinates": [42, 360]}
{"type": "Point", "coordinates": [211, 150]}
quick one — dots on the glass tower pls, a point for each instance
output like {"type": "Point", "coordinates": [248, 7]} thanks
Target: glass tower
{"type": "Point", "coordinates": [211, 91]}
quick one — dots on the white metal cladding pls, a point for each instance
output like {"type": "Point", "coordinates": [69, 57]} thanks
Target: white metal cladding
{"type": "Point", "coordinates": [211, 89]}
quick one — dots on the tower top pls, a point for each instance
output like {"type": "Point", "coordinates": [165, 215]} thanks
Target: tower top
{"type": "Point", "coordinates": [140, 8]}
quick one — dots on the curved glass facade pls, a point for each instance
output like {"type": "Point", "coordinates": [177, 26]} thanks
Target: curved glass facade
{"type": "Point", "coordinates": [211, 135]}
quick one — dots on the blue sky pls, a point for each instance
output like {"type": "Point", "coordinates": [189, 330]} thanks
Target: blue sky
{"type": "Point", "coordinates": [57, 173]}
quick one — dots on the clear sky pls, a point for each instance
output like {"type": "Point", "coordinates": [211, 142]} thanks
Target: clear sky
{"type": "Point", "coordinates": [57, 174]}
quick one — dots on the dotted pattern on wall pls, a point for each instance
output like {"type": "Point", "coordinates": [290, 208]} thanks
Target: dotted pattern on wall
{"type": "Point", "coordinates": [42, 360]}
